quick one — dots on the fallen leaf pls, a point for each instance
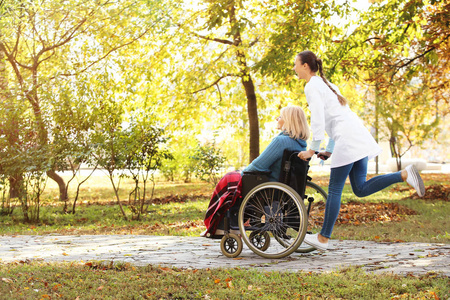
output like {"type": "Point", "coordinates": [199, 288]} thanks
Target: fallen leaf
{"type": "Point", "coordinates": [165, 269]}
{"type": "Point", "coordinates": [434, 295]}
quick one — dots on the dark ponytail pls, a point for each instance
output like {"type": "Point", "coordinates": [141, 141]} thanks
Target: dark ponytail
{"type": "Point", "coordinates": [315, 64]}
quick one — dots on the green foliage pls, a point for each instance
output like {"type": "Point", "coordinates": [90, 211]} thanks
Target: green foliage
{"type": "Point", "coordinates": [180, 167]}
{"type": "Point", "coordinates": [144, 155]}
{"type": "Point", "coordinates": [408, 118]}
{"type": "Point", "coordinates": [143, 147]}
{"type": "Point", "coordinates": [136, 148]}
{"type": "Point", "coordinates": [303, 25]}
{"type": "Point", "coordinates": [72, 74]}
{"type": "Point", "coordinates": [175, 218]}
{"type": "Point", "coordinates": [47, 47]}
{"type": "Point", "coordinates": [399, 50]}
{"type": "Point", "coordinates": [6, 205]}
{"type": "Point", "coordinates": [23, 162]}
{"type": "Point", "coordinates": [209, 163]}
{"type": "Point", "coordinates": [31, 164]}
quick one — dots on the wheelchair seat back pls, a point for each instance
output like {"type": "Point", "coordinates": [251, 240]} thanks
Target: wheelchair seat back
{"type": "Point", "coordinates": [294, 171]}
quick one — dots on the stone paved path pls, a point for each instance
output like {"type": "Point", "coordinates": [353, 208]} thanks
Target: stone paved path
{"type": "Point", "coordinates": [197, 252]}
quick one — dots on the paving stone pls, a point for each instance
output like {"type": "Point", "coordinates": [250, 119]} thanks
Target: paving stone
{"type": "Point", "coordinates": [199, 253]}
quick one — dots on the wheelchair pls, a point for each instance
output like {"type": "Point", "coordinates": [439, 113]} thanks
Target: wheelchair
{"type": "Point", "coordinates": [271, 218]}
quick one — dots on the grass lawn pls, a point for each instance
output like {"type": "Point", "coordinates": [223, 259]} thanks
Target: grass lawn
{"type": "Point", "coordinates": [105, 281]}
{"type": "Point", "coordinates": [394, 214]}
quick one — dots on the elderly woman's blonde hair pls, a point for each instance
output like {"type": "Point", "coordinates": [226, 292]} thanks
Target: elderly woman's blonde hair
{"type": "Point", "coordinates": [295, 123]}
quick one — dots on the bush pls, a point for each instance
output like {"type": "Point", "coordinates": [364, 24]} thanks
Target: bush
{"type": "Point", "coordinates": [181, 167]}
{"type": "Point", "coordinates": [209, 162]}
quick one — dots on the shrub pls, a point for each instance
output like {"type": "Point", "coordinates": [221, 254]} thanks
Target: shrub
{"type": "Point", "coordinates": [209, 162]}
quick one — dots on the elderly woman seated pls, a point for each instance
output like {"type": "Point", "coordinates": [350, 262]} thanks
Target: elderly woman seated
{"type": "Point", "coordinates": [293, 134]}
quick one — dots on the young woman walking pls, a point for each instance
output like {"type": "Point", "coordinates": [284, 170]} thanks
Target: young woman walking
{"type": "Point", "coordinates": [350, 142]}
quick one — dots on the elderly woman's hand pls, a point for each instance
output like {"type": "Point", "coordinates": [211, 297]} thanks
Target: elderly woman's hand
{"type": "Point", "coordinates": [305, 155]}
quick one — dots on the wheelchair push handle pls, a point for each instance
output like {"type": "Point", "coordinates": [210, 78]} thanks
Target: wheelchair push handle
{"type": "Point", "coordinates": [324, 157]}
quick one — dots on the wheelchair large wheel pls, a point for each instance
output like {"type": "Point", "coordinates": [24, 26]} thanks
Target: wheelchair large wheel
{"type": "Point", "coordinates": [313, 193]}
{"type": "Point", "coordinates": [273, 210]}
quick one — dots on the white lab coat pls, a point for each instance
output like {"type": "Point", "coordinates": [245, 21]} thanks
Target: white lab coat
{"type": "Point", "coordinates": [352, 139]}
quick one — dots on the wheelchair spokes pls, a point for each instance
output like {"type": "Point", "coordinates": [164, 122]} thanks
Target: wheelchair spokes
{"type": "Point", "coordinates": [272, 211]}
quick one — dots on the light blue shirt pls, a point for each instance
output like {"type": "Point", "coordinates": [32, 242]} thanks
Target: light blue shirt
{"type": "Point", "coordinates": [270, 159]}
{"type": "Point", "coordinates": [315, 145]}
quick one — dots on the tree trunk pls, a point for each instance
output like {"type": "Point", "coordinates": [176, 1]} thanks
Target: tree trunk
{"type": "Point", "coordinates": [15, 186]}
{"type": "Point", "coordinates": [61, 184]}
{"type": "Point", "coordinates": [252, 105]}
{"type": "Point", "coordinates": [252, 111]}
{"type": "Point", "coordinates": [394, 152]}
{"type": "Point", "coordinates": [377, 124]}
{"type": "Point", "coordinates": [117, 196]}
{"type": "Point", "coordinates": [43, 132]}
{"type": "Point", "coordinates": [43, 139]}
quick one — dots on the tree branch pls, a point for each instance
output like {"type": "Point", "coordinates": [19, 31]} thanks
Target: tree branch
{"type": "Point", "coordinates": [214, 39]}
{"type": "Point", "coordinates": [254, 42]}
{"type": "Point", "coordinates": [16, 46]}
{"type": "Point", "coordinates": [220, 94]}
{"type": "Point", "coordinates": [214, 83]}
{"type": "Point", "coordinates": [46, 58]}
{"type": "Point", "coordinates": [107, 54]}
{"type": "Point", "coordinates": [341, 57]}
{"type": "Point", "coordinates": [22, 65]}
{"type": "Point", "coordinates": [35, 30]}
{"type": "Point", "coordinates": [409, 61]}
{"type": "Point", "coordinates": [12, 61]}
{"type": "Point", "coordinates": [65, 41]}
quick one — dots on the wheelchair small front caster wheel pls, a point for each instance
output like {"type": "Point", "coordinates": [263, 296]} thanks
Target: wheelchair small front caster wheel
{"type": "Point", "coordinates": [260, 240]}
{"type": "Point", "coordinates": [231, 245]}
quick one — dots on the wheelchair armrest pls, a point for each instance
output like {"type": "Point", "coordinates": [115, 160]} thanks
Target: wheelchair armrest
{"type": "Point", "coordinates": [252, 179]}
{"type": "Point", "coordinates": [257, 172]}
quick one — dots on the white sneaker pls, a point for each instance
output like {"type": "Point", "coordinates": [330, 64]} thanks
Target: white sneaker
{"type": "Point", "coordinates": [312, 240]}
{"type": "Point", "coordinates": [415, 180]}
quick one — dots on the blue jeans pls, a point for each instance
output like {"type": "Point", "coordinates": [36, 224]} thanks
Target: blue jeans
{"type": "Point", "coordinates": [357, 171]}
